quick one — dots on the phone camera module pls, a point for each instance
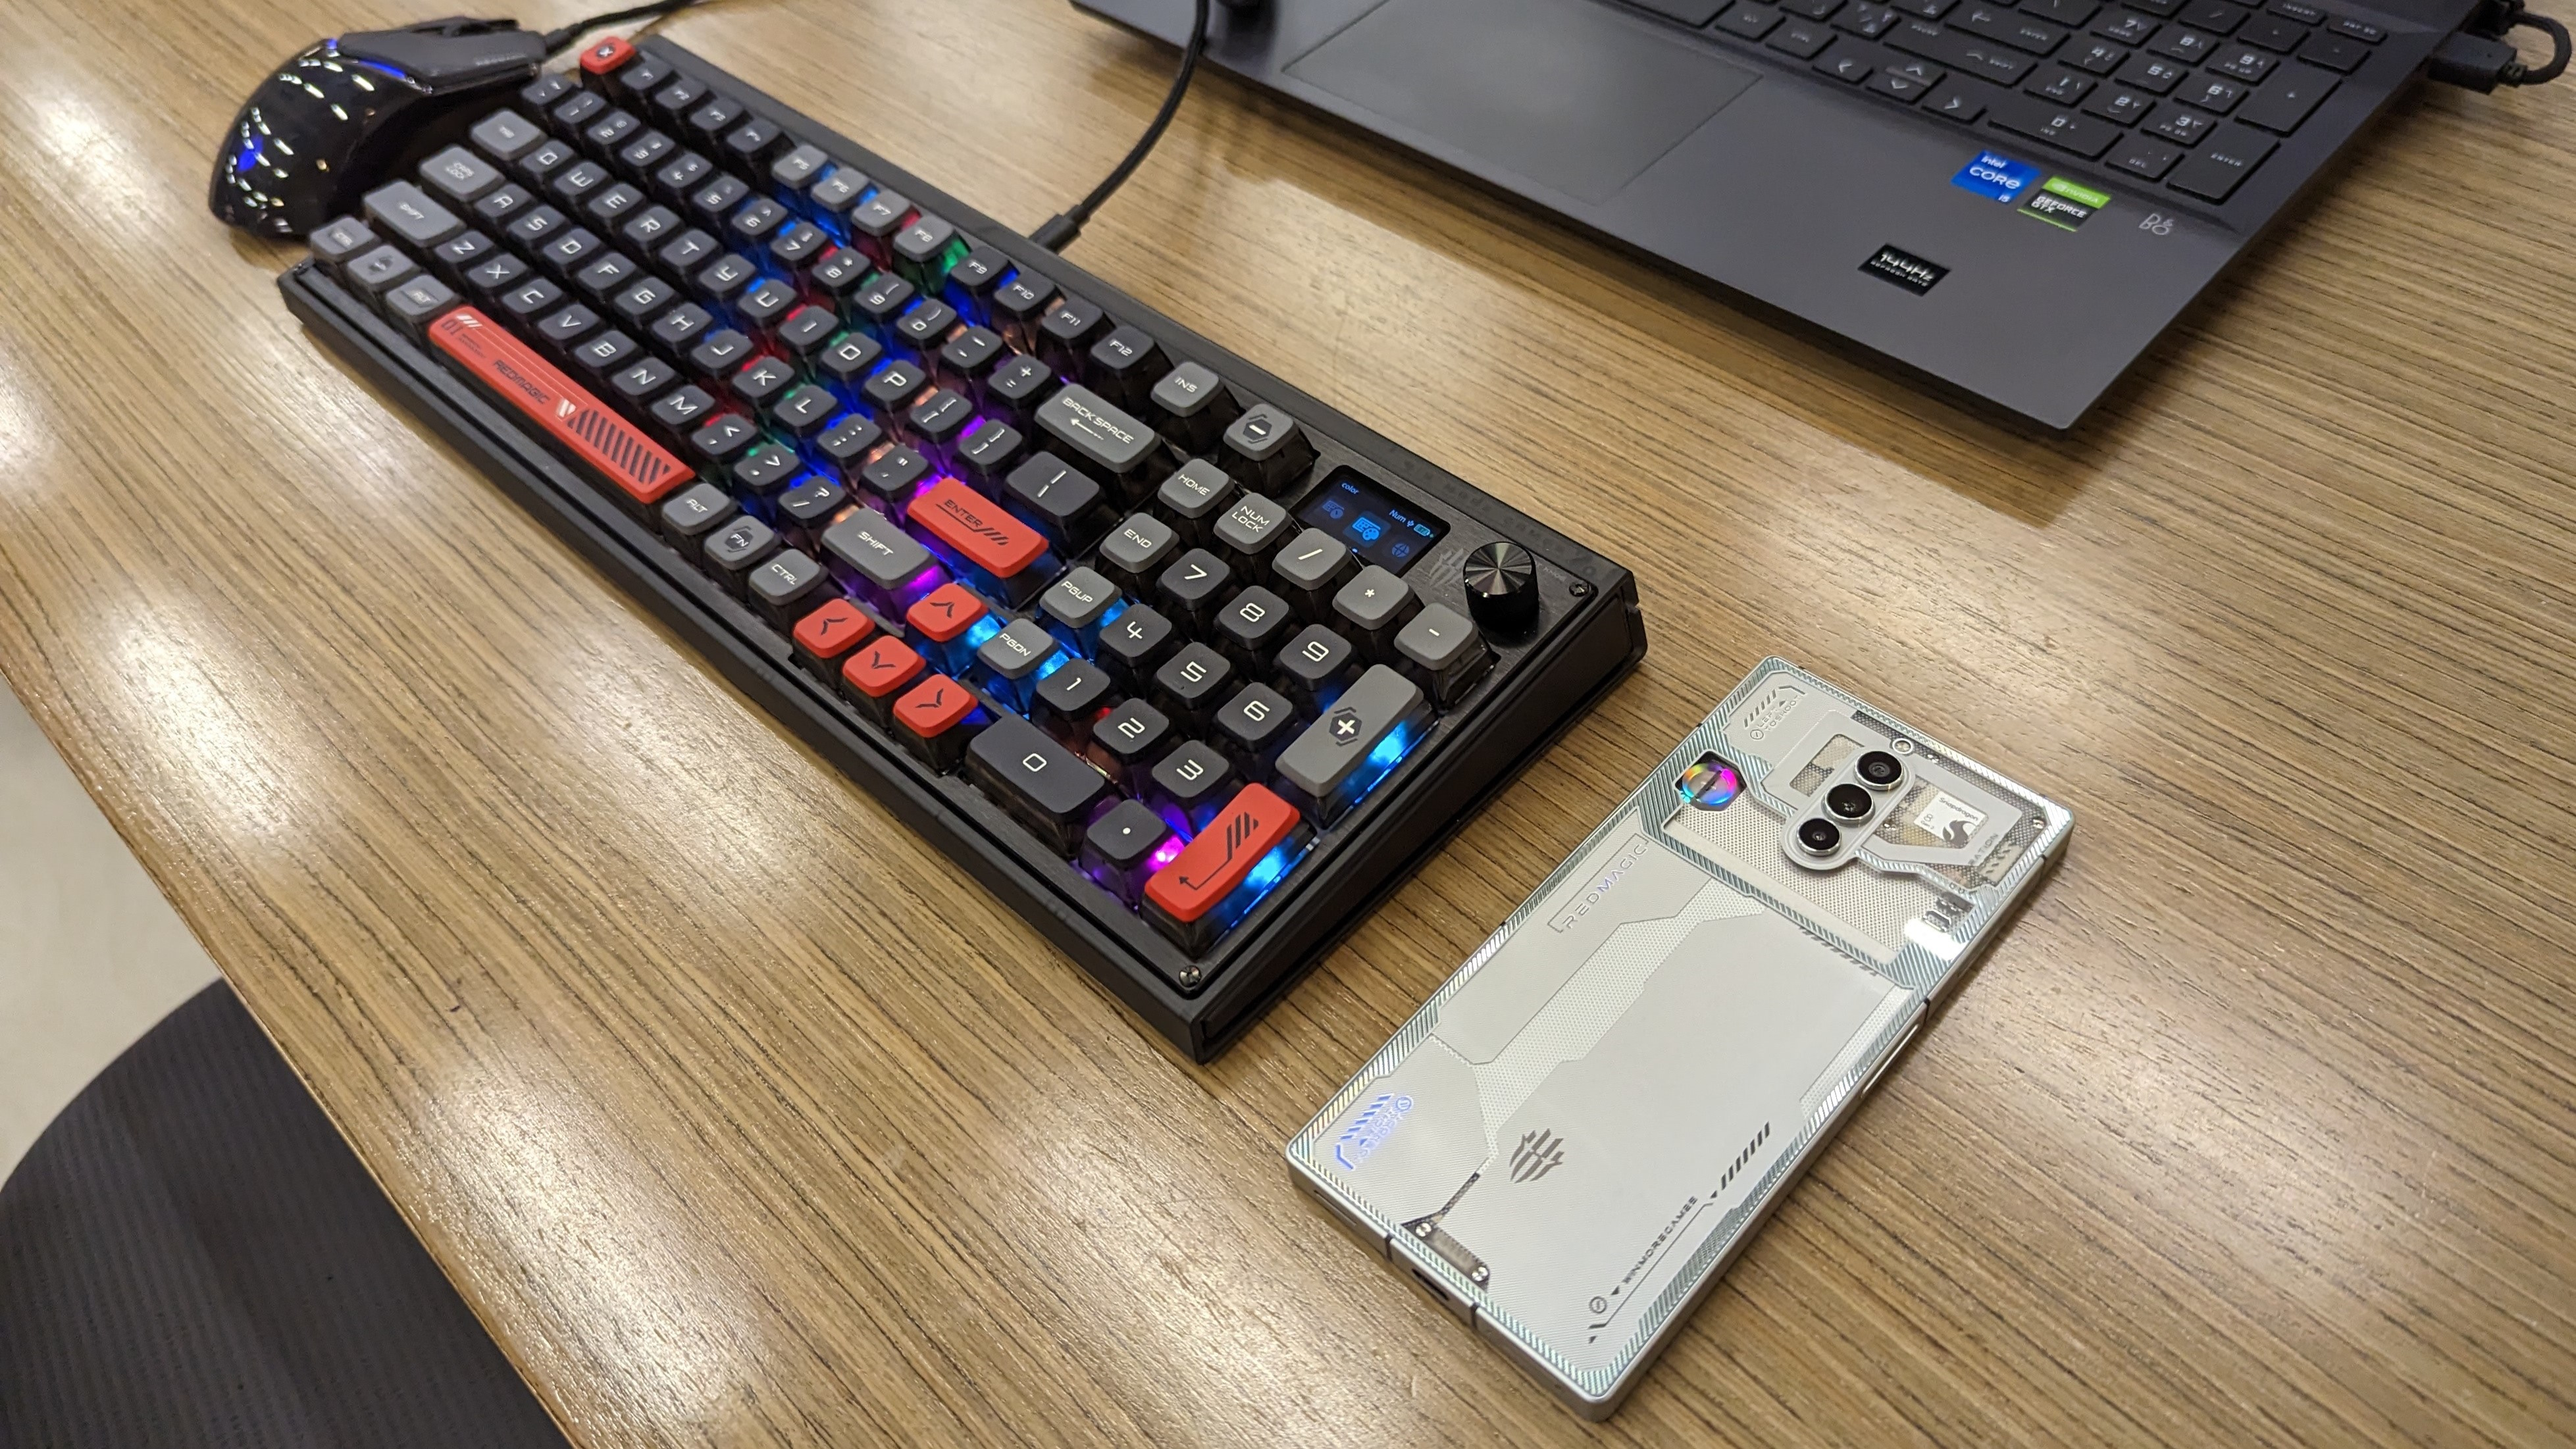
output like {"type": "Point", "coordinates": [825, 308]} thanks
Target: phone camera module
{"type": "Point", "coordinates": [1879, 770]}
{"type": "Point", "coordinates": [1819, 837]}
{"type": "Point", "coordinates": [1849, 802]}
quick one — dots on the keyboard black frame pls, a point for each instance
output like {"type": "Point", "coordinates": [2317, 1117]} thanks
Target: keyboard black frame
{"type": "Point", "coordinates": [1594, 638]}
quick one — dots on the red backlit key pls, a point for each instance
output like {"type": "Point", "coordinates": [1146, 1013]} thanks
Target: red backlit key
{"type": "Point", "coordinates": [975, 529]}
{"type": "Point", "coordinates": [831, 631]}
{"type": "Point", "coordinates": [937, 719]}
{"type": "Point", "coordinates": [1209, 869]}
{"type": "Point", "coordinates": [606, 55]}
{"type": "Point", "coordinates": [940, 621]}
{"type": "Point", "coordinates": [582, 424]}
{"type": "Point", "coordinates": [872, 677]}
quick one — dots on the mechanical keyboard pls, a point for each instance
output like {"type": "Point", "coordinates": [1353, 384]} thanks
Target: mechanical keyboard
{"type": "Point", "coordinates": [1185, 666]}
{"type": "Point", "coordinates": [2193, 94]}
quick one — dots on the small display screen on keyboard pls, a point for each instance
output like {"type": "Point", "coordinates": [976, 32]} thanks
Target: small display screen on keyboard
{"type": "Point", "coordinates": [1027, 542]}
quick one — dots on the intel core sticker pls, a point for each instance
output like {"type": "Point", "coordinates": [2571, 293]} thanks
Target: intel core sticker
{"type": "Point", "coordinates": [1997, 178]}
{"type": "Point", "coordinates": [2066, 204]}
{"type": "Point", "coordinates": [1905, 269]}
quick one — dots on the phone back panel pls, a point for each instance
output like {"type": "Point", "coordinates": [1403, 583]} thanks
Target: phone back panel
{"type": "Point", "coordinates": [1579, 1129]}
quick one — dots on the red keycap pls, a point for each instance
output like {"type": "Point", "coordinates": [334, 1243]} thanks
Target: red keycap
{"type": "Point", "coordinates": [833, 630]}
{"type": "Point", "coordinates": [934, 705]}
{"type": "Point", "coordinates": [1210, 867]}
{"type": "Point", "coordinates": [944, 613]}
{"type": "Point", "coordinates": [882, 668]}
{"type": "Point", "coordinates": [976, 528]}
{"type": "Point", "coordinates": [582, 423]}
{"type": "Point", "coordinates": [607, 55]}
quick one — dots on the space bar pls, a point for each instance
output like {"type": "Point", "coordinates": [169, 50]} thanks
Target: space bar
{"type": "Point", "coordinates": [1688, 12]}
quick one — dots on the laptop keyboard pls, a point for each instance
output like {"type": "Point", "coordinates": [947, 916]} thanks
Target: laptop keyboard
{"type": "Point", "coordinates": [2190, 95]}
{"type": "Point", "coordinates": [1177, 631]}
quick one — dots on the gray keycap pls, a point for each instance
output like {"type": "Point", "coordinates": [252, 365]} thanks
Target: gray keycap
{"type": "Point", "coordinates": [1141, 545]}
{"type": "Point", "coordinates": [1445, 646]}
{"type": "Point", "coordinates": [1253, 526]}
{"type": "Point", "coordinates": [692, 511]}
{"type": "Point", "coordinates": [506, 135]}
{"type": "Point", "coordinates": [336, 243]}
{"type": "Point", "coordinates": [418, 302]}
{"type": "Point", "coordinates": [783, 580]}
{"type": "Point", "coordinates": [408, 213]}
{"type": "Point", "coordinates": [460, 175]}
{"type": "Point", "coordinates": [1310, 560]}
{"type": "Point", "coordinates": [1097, 433]}
{"type": "Point", "coordinates": [799, 166]}
{"type": "Point", "coordinates": [1333, 747]}
{"type": "Point", "coordinates": [740, 544]}
{"type": "Point", "coordinates": [1200, 488]}
{"type": "Point", "coordinates": [1262, 432]}
{"type": "Point", "coordinates": [1016, 652]}
{"type": "Point", "coordinates": [1372, 599]}
{"type": "Point", "coordinates": [380, 271]}
{"type": "Point", "coordinates": [871, 546]}
{"type": "Point", "coordinates": [1187, 389]}
{"type": "Point", "coordinates": [1079, 599]}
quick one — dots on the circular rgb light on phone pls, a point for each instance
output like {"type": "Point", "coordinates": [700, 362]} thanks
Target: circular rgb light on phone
{"type": "Point", "coordinates": [1711, 784]}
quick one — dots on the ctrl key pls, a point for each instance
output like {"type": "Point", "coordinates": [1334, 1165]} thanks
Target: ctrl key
{"type": "Point", "coordinates": [1222, 874]}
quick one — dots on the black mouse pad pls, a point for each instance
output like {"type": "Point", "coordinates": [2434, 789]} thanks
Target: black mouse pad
{"type": "Point", "coordinates": [1559, 91]}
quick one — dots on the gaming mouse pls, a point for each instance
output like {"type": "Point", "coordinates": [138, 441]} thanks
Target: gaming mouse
{"type": "Point", "coordinates": [321, 129]}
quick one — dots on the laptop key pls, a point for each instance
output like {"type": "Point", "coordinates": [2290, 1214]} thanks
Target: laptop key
{"type": "Point", "coordinates": [1847, 65]}
{"type": "Point", "coordinates": [2283, 104]}
{"type": "Point", "coordinates": [2128, 28]}
{"type": "Point", "coordinates": [2273, 33]}
{"type": "Point", "coordinates": [1979, 58]}
{"type": "Point", "coordinates": [2146, 157]}
{"type": "Point", "coordinates": [2062, 86]}
{"type": "Point", "coordinates": [2184, 126]}
{"type": "Point", "coordinates": [1801, 38]}
{"type": "Point", "coordinates": [2152, 74]}
{"type": "Point", "coordinates": [2334, 52]}
{"type": "Point", "coordinates": [2120, 107]}
{"type": "Point", "coordinates": [1955, 102]}
{"type": "Point", "coordinates": [1868, 21]}
{"type": "Point", "coordinates": [2069, 13]}
{"type": "Point", "coordinates": [2185, 45]}
{"type": "Point", "coordinates": [1812, 9]}
{"type": "Point", "coordinates": [2215, 171]}
{"type": "Point", "coordinates": [2064, 129]}
{"type": "Point", "coordinates": [1688, 12]}
{"type": "Point", "coordinates": [2096, 57]}
{"type": "Point", "coordinates": [1923, 73]}
{"type": "Point", "coordinates": [2211, 94]}
{"type": "Point", "coordinates": [1749, 21]}
{"type": "Point", "coordinates": [1902, 87]}
{"type": "Point", "coordinates": [2218, 17]}
{"type": "Point", "coordinates": [1993, 22]}
{"type": "Point", "coordinates": [2240, 63]}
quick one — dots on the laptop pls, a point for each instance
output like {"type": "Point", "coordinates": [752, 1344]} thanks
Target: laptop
{"type": "Point", "coordinates": [2008, 202]}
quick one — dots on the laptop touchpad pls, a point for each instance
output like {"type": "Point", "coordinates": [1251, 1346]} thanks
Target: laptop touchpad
{"type": "Point", "coordinates": [1562, 92]}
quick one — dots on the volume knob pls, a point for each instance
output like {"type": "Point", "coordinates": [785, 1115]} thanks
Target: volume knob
{"type": "Point", "coordinates": [1501, 580]}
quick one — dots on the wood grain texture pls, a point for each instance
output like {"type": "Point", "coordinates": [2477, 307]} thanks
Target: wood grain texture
{"type": "Point", "coordinates": [743, 1118]}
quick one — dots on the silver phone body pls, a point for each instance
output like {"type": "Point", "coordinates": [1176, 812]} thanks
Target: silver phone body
{"type": "Point", "coordinates": [1579, 1130]}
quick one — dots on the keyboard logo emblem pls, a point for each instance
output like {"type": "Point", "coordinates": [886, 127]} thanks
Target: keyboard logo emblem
{"type": "Point", "coordinates": [1905, 269]}
{"type": "Point", "coordinates": [1346, 726]}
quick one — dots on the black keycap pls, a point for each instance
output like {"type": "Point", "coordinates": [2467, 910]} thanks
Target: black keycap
{"type": "Point", "coordinates": [803, 333]}
{"type": "Point", "coordinates": [1811, 9]}
{"type": "Point", "coordinates": [1015, 387]}
{"type": "Point", "coordinates": [1137, 551]}
{"type": "Point", "coordinates": [460, 253]}
{"type": "Point", "coordinates": [735, 549]}
{"type": "Point", "coordinates": [708, 124]}
{"type": "Point", "coordinates": [634, 83]}
{"type": "Point", "coordinates": [609, 134]}
{"type": "Point", "coordinates": [2184, 126]}
{"type": "Point", "coordinates": [880, 301]}
{"type": "Point", "coordinates": [966, 357]}
{"type": "Point", "coordinates": [847, 444]}
{"type": "Point", "coordinates": [1067, 333]}
{"type": "Point", "coordinates": [797, 168]}
{"type": "Point", "coordinates": [415, 303]}
{"type": "Point", "coordinates": [1442, 651]}
{"type": "Point", "coordinates": [751, 146]}
{"type": "Point", "coordinates": [764, 468]}
{"type": "Point", "coordinates": [1128, 741]}
{"type": "Point", "coordinates": [1118, 849]}
{"type": "Point", "coordinates": [545, 90]}
{"type": "Point", "coordinates": [1189, 685]}
{"type": "Point", "coordinates": [805, 510]}
{"type": "Point", "coordinates": [1133, 644]}
{"type": "Point", "coordinates": [680, 414]}
{"type": "Point", "coordinates": [459, 176]}
{"type": "Point", "coordinates": [643, 380]}
{"type": "Point", "coordinates": [1124, 366]}
{"type": "Point", "coordinates": [2120, 107]}
{"type": "Point", "coordinates": [541, 161]}
{"type": "Point", "coordinates": [2215, 171]}
{"type": "Point", "coordinates": [2021, 32]}
{"type": "Point", "coordinates": [921, 247]}
{"type": "Point", "coordinates": [605, 277]}
{"type": "Point", "coordinates": [1310, 569]}
{"type": "Point", "coordinates": [2361, 30]}
{"type": "Point", "coordinates": [1903, 87]}
{"type": "Point", "coordinates": [2127, 27]}
{"type": "Point", "coordinates": [2069, 13]}
{"type": "Point", "coordinates": [1191, 784]}
{"type": "Point", "coordinates": [1749, 21]}
{"type": "Point", "coordinates": [725, 278]}
{"type": "Point", "coordinates": [1864, 19]}
{"type": "Point", "coordinates": [987, 454]}
{"type": "Point", "coordinates": [1266, 449]}
{"type": "Point", "coordinates": [681, 176]}
{"type": "Point", "coordinates": [2152, 74]}
{"type": "Point", "coordinates": [647, 154]}
{"type": "Point", "coordinates": [651, 229]}
{"type": "Point", "coordinates": [1037, 781]}
{"type": "Point", "coordinates": [719, 354]}
{"type": "Point", "coordinates": [2334, 52]}
{"type": "Point", "coordinates": [1924, 9]}
{"type": "Point", "coordinates": [678, 332]}
{"type": "Point", "coordinates": [2273, 33]}
{"type": "Point", "coordinates": [601, 354]}
{"type": "Point", "coordinates": [576, 111]}
{"type": "Point", "coordinates": [803, 412]}
{"type": "Point", "coordinates": [937, 419]}
{"type": "Point", "coordinates": [713, 204]}
{"type": "Point", "coordinates": [495, 276]}
{"type": "Point", "coordinates": [975, 274]}
{"type": "Point", "coordinates": [1253, 727]}
{"type": "Point", "coordinates": [611, 207]}
{"type": "Point", "coordinates": [723, 439]}
{"type": "Point", "coordinates": [838, 191]}
{"type": "Point", "coordinates": [875, 220]}
{"type": "Point", "coordinates": [1087, 430]}
{"type": "Point", "coordinates": [2041, 121]}
{"type": "Point", "coordinates": [846, 361]}
{"type": "Point", "coordinates": [505, 135]}
{"type": "Point", "coordinates": [675, 101]}
{"type": "Point", "coordinates": [1955, 102]}
{"type": "Point", "coordinates": [925, 325]}
{"type": "Point", "coordinates": [643, 300]}
{"type": "Point", "coordinates": [577, 181]}
{"type": "Point", "coordinates": [1314, 667]}
{"type": "Point", "coordinates": [2189, 46]}
{"type": "Point", "coordinates": [531, 300]}
{"type": "Point", "coordinates": [1056, 499]}
{"type": "Point", "coordinates": [786, 585]}
{"type": "Point", "coordinates": [2062, 86]}
{"type": "Point", "coordinates": [2217, 17]}
{"type": "Point", "coordinates": [687, 253]}
{"type": "Point", "coordinates": [839, 272]}
{"type": "Point", "coordinates": [1248, 531]}
{"type": "Point", "coordinates": [1982, 59]}
{"type": "Point", "coordinates": [2292, 94]}
{"type": "Point", "coordinates": [1252, 626]}
{"type": "Point", "coordinates": [891, 388]}
{"type": "Point", "coordinates": [1017, 307]}
{"type": "Point", "coordinates": [2148, 158]}
{"type": "Point", "coordinates": [1190, 589]}
{"type": "Point", "coordinates": [2211, 94]}
{"type": "Point", "coordinates": [755, 222]}
{"type": "Point", "coordinates": [500, 206]}
{"type": "Point", "coordinates": [894, 474]}
{"type": "Point", "coordinates": [764, 304]}
{"type": "Point", "coordinates": [761, 379]}
{"type": "Point", "coordinates": [2241, 63]}
{"type": "Point", "coordinates": [694, 512]}
{"type": "Point", "coordinates": [1801, 38]}
{"type": "Point", "coordinates": [2095, 57]}
{"type": "Point", "coordinates": [566, 253]}
{"type": "Point", "coordinates": [403, 212]}
{"type": "Point", "coordinates": [1319, 769]}
{"type": "Point", "coordinates": [799, 245]}
{"type": "Point", "coordinates": [1191, 406]}
{"type": "Point", "coordinates": [1848, 65]}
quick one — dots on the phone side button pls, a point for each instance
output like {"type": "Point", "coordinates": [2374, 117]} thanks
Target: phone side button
{"type": "Point", "coordinates": [1902, 1043]}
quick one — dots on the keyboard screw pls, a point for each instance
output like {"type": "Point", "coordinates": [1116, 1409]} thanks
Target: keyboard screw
{"type": "Point", "coordinates": [1191, 975]}
{"type": "Point", "coordinates": [1481, 1274]}
{"type": "Point", "coordinates": [1579, 589]}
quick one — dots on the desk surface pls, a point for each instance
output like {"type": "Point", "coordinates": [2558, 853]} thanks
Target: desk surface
{"type": "Point", "coordinates": [742, 1118]}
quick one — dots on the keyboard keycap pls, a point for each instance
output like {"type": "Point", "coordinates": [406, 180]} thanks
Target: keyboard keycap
{"type": "Point", "coordinates": [2096, 57]}
{"type": "Point", "coordinates": [732, 552]}
{"type": "Point", "coordinates": [1190, 785]}
{"type": "Point", "coordinates": [689, 515]}
{"type": "Point", "coordinates": [460, 176]}
{"type": "Point", "coordinates": [1339, 758]}
{"type": "Point", "coordinates": [1037, 781]}
{"type": "Point", "coordinates": [2334, 52]}
{"type": "Point", "coordinates": [2041, 121]}
{"type": "Point", "coordinates": [1216, 880]}
{"type": "Point", "coordinates": [415, 304]}
{"type": "Point", "coordinates": [1092, 433]}
{"type": "Point", "coordinates": [1133, 646]}
{"type": "Point", "coordinates": [2218, 168]}
{"type": "Point", "coordinates": [1749, 21]}
{"type": "Point", "coordinates": [1995, 22]}
{"type": "Point", "coordinates": [505, 135]}
{"type": "Point", "coordinates": [2287, 101]}
{"type": "Point", "coordinates": [1372, 606]}
{"type": "Point", "coordinates": [1441, 651]}
{"type": "Point", "coordinates": [1961, 51]}
{"type": "Point", "coordinates": [949, 624]}
{"type": "Point", "coordinates": [825, 636]}
{"type": "Point", "coordinates": [2273, 33]}
{"type": "Point", "coordinates": [1192, 406]}
{"type": "Point", "coordinates": [1252, 727]}
{"type": "Point", "coordinates": [407, 214]}
{"type": "Point", "coordinates": [2145, 157]}
{"type": "Point", "coordinates": [1124, 848]}
{"type": "Point", "coordinates": [1047, 494]}
{"type": "Point", "coordinates": [1266, 449]}
{"type": "Point", "coordinates": [785, 585]}
{"type": "Point", "coordinates": [1075, 606]}
{"type": "Point", "coordinates": [879, 562]}
{"type": "Point", "coordinates": [1127, 741]}
{"type": "Point", "coordinates": [1008, 664]}
{"type": "Point", "coordinates": [2153, 74]}
{"type": "Point", "coordinates": [380, 271]}
{"type": "Point", "coordinates": [1315, 666]}
{"type": "Point", "coordinates": [977, 535]}
{"type": "Point", "coordinates": [1190, 589]}
{"type": "Point", "coordinates": [1803, 39]}
{"type": "Point", "coordinates": [2240, 63]}
{"type": "Point", "coordinates": [2211, 94]}
{"type": "Point", "coordinates": [637, 467]}
{"type": "Point", "coordinates": [878, 674]}
{"type": "Point", "coordinates": [1069, 699]}
{"type": "Point", "coordinates": [2120, 107]}
{"type": "Point", "coordinates": [936, 719]}
{"type": "Point", "coordinates": [1189, 684]}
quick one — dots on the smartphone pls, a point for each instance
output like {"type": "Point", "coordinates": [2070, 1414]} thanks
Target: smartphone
{"type": "Point", "coordinates": [1574, 1136]}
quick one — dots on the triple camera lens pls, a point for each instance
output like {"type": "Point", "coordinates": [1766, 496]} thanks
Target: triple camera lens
{"type": "Point", "coordinates": [1819, 837]}
{"type": "Point", "coordinates": [1879, 770]}
{"type": "Point", "coordinates": [1849, 802]}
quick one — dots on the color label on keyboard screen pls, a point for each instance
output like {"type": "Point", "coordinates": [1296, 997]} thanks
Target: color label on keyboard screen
{"type": "Point", "coordinates": [1997, 178]}
{"type": "Point", "coordinates": [2064, 203]}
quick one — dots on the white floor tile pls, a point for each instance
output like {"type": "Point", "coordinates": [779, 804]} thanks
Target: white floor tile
{"type": "Point", "coordinates": [90, 954]}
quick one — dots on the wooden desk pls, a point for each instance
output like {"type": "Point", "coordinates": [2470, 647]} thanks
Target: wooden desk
{"type": "Point", "coordinates": [743, 1118]}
